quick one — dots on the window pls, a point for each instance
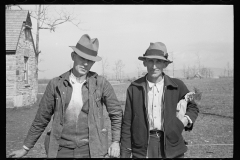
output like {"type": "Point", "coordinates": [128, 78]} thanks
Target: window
{"type": "Point", "coordinates": [27, 34]}
{"type": "Point", "coordinates": [25, 70]}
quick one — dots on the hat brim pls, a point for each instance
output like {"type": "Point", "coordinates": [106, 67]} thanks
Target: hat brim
{"type": "Point", "coordinates": [86, 56]}
{"type": "Point", "coordinates": [154, 57]}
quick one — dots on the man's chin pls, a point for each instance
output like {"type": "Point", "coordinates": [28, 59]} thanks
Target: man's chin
{"type": "Point", "coordinates": [155, 75]}
{"type": "Point", "coordinates": [82, 72]}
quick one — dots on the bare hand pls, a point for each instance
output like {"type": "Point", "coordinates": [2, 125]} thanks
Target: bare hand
{"type": "Point", "coordinates": [114, 150]}
{"type": "Point", "coordinates": [18, 154]}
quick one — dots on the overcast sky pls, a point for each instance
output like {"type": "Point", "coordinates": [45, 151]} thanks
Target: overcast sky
{"type": "Point", "coordinates": [125, 32]}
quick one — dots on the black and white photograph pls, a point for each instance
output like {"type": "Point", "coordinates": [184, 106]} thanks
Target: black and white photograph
{"type": "Point", "coordinates": [119, 81]}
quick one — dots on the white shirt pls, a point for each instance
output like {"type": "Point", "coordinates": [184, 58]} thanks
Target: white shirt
{"type": "Point", "coordinates": [155, 92]}
{"type": "Point", "coordinates": [76, 102]}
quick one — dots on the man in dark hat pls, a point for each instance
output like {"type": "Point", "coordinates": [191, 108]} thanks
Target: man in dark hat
{"type": "Point", "coordinates": [151, 127]}
{"type": "Point", "coordinates": [76, 100]}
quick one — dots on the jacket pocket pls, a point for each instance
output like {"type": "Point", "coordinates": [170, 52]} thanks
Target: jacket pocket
{"type": "Point", "coordinates": [104, 141]}
{"type": "Point", "coordinates": [138, 133]}
{"type": "Point", "coordinates": [46, 141]}
{"type": "Point", "coordinates": [174, 131]}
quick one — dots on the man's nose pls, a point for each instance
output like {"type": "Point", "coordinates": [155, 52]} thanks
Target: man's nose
{"type": "Point", "coordinates": [154, 65]}
{"type": "Point", "coordinates": [85, 62]}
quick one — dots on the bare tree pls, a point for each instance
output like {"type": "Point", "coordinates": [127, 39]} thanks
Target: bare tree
{"type": "Point", "coordinates": [228, 69]}
{"type": "Point", "coordinates": [224, 72]}
{"type": "Point", "coordinates": [138, 69]}
{"type": "Point", "coordinates": [198, 61]}
{"type": "Point", "coordinates": [203, 71]}
{"type": "Point", "coordinates": [104, 67]}
{"type": "Point", "coordinates": [209, 73]}
{"type": "Point", "coordinates": [115, 69]}
{"type": "Point", "coordinates": [118, 69]}
{"type": "Point", "coordinates": [231, 73]}
{"type": "Point", "coordinates": [172, 63]}
{"type": "Point", "coordinates": [9, 6]}
{"type": "Point", "coordinates": [193, 71]}
{"type": "Point", "coordinates": [166, 70]}
{"type": "Point", "coordinates": [47, 21]}
{"type": "Point", "coordinates": [184, 71]}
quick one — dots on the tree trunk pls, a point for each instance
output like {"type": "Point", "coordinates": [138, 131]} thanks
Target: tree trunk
{"type": "Point", "coordinates": [37, 49]}
{"type": "Point", "coordinates": [37, 35]}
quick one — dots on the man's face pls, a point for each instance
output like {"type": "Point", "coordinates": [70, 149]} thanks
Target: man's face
{"type": "Point", "coordinates": [154, 67]}
{"type": "Point", "coordinates": [81, 65]}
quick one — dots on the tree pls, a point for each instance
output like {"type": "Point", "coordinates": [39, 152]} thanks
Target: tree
{"type": "Point", "coordinates": [209, 73]}
{"type": "Point", "coordinates": [47, 21]}
{"type": "Point", "coordinates": [138, 66]}
{"type": "Point", "coordinates": [172, 63]}
{"type": "Point", "coordinates": [203, 71]}
{"type": "Point", "coordinates": [104, 66]}
{"type": "Point", "coordinates": [188, 72]}
{"type": "Point", "coordinates": [228, 71]}
{"type": "Point", "coordinates": [198, 61]}
{"type": "Point", "coordinates": [184, 71]}
{"type": "Point", "coordinates": [118, 69]}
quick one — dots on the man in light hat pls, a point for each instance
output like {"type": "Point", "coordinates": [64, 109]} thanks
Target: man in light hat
{"type": "Point", "coordinates": [76, 100]}
{"type": "Point", "coordinates": [150, 127]}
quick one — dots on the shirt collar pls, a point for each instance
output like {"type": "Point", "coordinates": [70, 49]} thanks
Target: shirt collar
{"type": "Point", "coordinates": [73, 79]}
{"type": "Point", "coordinates": [158, 85]}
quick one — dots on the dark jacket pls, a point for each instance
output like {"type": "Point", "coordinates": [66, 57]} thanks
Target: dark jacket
{"type": "Point", "coordinates": [98, 91]}
{"type": "Point", "coordinates": [135, 126]}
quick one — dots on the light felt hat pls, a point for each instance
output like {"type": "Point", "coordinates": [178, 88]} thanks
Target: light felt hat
{"type": "Point", "coordinates": [156, 50]}
{"type": "Point", "coordinates": [87, 48]}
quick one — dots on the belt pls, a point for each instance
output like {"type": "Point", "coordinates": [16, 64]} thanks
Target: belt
{"type": "Point", "coordinates": [156, 132]}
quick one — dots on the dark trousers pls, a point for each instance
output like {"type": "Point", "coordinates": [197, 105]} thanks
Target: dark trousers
{"type": "Point", "coordinates": [156, 145]}
{"type": "Point", "coordinates": [78, 152]}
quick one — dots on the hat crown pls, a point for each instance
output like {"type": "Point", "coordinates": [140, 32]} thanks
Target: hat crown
{"type": "Point", "coordinates": [89, 43]}
{"type": "Point", "coordinates": [156, 50]}
{"type": "Point", "coordinates": [158, 46]}
{"type": "Point", "coordinates": [87, 48]}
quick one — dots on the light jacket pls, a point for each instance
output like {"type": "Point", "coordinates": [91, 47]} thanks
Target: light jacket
{"type": "Point", "coordinates": [135, 125]}
{"type": "Point", "coordinates": [98, 91]}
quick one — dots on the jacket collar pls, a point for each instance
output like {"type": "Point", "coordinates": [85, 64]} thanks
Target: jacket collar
{"type": "Point", "coordinates": [167, 81]}
{"type": "Point", "coordinates": [64, 78]}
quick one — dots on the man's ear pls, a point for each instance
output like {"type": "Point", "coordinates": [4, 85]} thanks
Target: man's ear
{"type": "Point", "coordinates": [144, 63]}
{"type": "Point", "coordinates": [73, 55]}
{"type": "Point", "coordinates": [166, 64]}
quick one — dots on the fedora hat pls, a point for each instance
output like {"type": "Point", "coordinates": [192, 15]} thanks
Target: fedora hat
{"type": "Point", "coordinates": [156, 50]}
{"type": "Point", "coordinates": [87, 48]}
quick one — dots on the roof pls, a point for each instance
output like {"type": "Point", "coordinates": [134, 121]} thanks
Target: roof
{"type": "Point", "coordinates": [14, 21]}
{"type": "Point", "coordinates": [198, 75]}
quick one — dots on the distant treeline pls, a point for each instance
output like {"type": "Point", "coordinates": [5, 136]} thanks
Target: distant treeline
{"type": "Point", "coordinates": [43, 81]}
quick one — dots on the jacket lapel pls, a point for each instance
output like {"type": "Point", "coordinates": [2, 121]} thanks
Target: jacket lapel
{"type": "Point", "coordinates": [62, 89]}
{"type": "Point", "coordinates": [169, 82]}
{"type": "Point", "coordinates": [91, 83]}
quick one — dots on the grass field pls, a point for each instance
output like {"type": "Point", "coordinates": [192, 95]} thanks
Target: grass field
{"type": "Point", "coordinates": [211, 137]}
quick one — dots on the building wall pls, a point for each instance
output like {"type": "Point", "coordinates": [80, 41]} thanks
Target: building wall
{"type": "Point", "coordinates": [10, 79]}
{"type": "Point", "coordinates": [26, 94]}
